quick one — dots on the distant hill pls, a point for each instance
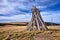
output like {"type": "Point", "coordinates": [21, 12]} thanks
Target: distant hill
{"type": "Point", "coordinates": [25, 23]}
{"type": "Point", "coordinates": [15, 23]}
{"type": "Point", "coordinates": [49, 23]}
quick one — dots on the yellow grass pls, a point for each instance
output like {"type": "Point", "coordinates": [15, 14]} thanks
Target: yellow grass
{"type": "Point", "coordinates": [16, 33]}
{"type": "Point", "coordinates": [54, 27]}
{"type": "Point", "coordinates": [15, 28]}
{"type": "Point", "coordinates": [20, 33]}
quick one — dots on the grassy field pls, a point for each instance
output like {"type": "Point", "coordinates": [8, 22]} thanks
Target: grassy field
{"type": "Point", "coordinates": [20, 33]}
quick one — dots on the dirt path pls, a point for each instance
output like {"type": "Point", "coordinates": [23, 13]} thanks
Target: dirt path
{"type": "Point", "coordinates": [43, 37]}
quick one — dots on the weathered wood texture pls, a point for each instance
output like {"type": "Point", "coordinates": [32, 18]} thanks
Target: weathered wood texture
{"type": "Point", "coordinates": [36, 21]}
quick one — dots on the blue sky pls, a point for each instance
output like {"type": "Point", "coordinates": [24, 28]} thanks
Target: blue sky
{"type": "Point", "coordinates": [20, 10]}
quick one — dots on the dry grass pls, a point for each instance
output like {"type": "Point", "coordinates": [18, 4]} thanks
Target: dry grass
{"type": "Point", "coordinates": [13, 28]}
{"type": "Point", "coordinates": [20, 33]}
{"type": "Point", "coordinates": [55, 31]}
{"type": "Point", "coordinates": [16, 33]}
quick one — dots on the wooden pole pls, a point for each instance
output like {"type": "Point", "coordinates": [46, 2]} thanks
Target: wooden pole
{"type": "Point", "coordinates": [37, 20]}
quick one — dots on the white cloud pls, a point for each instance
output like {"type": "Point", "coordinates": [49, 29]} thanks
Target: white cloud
{"type": "Point", "coordinates": [7, 6]}
{"type": "Point", "coordinates": [12, 6]}
{"type": "Point", "coordinates": [17, 18]}
{"type": "Point", "coordinates": [51, 16]}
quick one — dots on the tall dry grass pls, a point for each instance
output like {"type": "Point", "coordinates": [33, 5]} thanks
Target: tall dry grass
{"type": "Point", "coordinates": [20, 33]}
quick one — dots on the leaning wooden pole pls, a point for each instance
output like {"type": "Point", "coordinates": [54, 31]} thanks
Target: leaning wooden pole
{"type": "Point", "coordinates": [36, 21]}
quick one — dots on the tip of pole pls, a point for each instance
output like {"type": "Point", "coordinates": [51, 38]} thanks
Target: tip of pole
{"type": "Point", "coordinates": [34, 7]}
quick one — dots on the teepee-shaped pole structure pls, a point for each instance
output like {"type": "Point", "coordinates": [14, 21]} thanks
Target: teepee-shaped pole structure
{"type": "Point", "coordinates": [36, 21]}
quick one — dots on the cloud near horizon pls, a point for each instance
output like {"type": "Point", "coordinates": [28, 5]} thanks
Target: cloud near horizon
{"type": "Point", "coordinates": [20, 10]}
